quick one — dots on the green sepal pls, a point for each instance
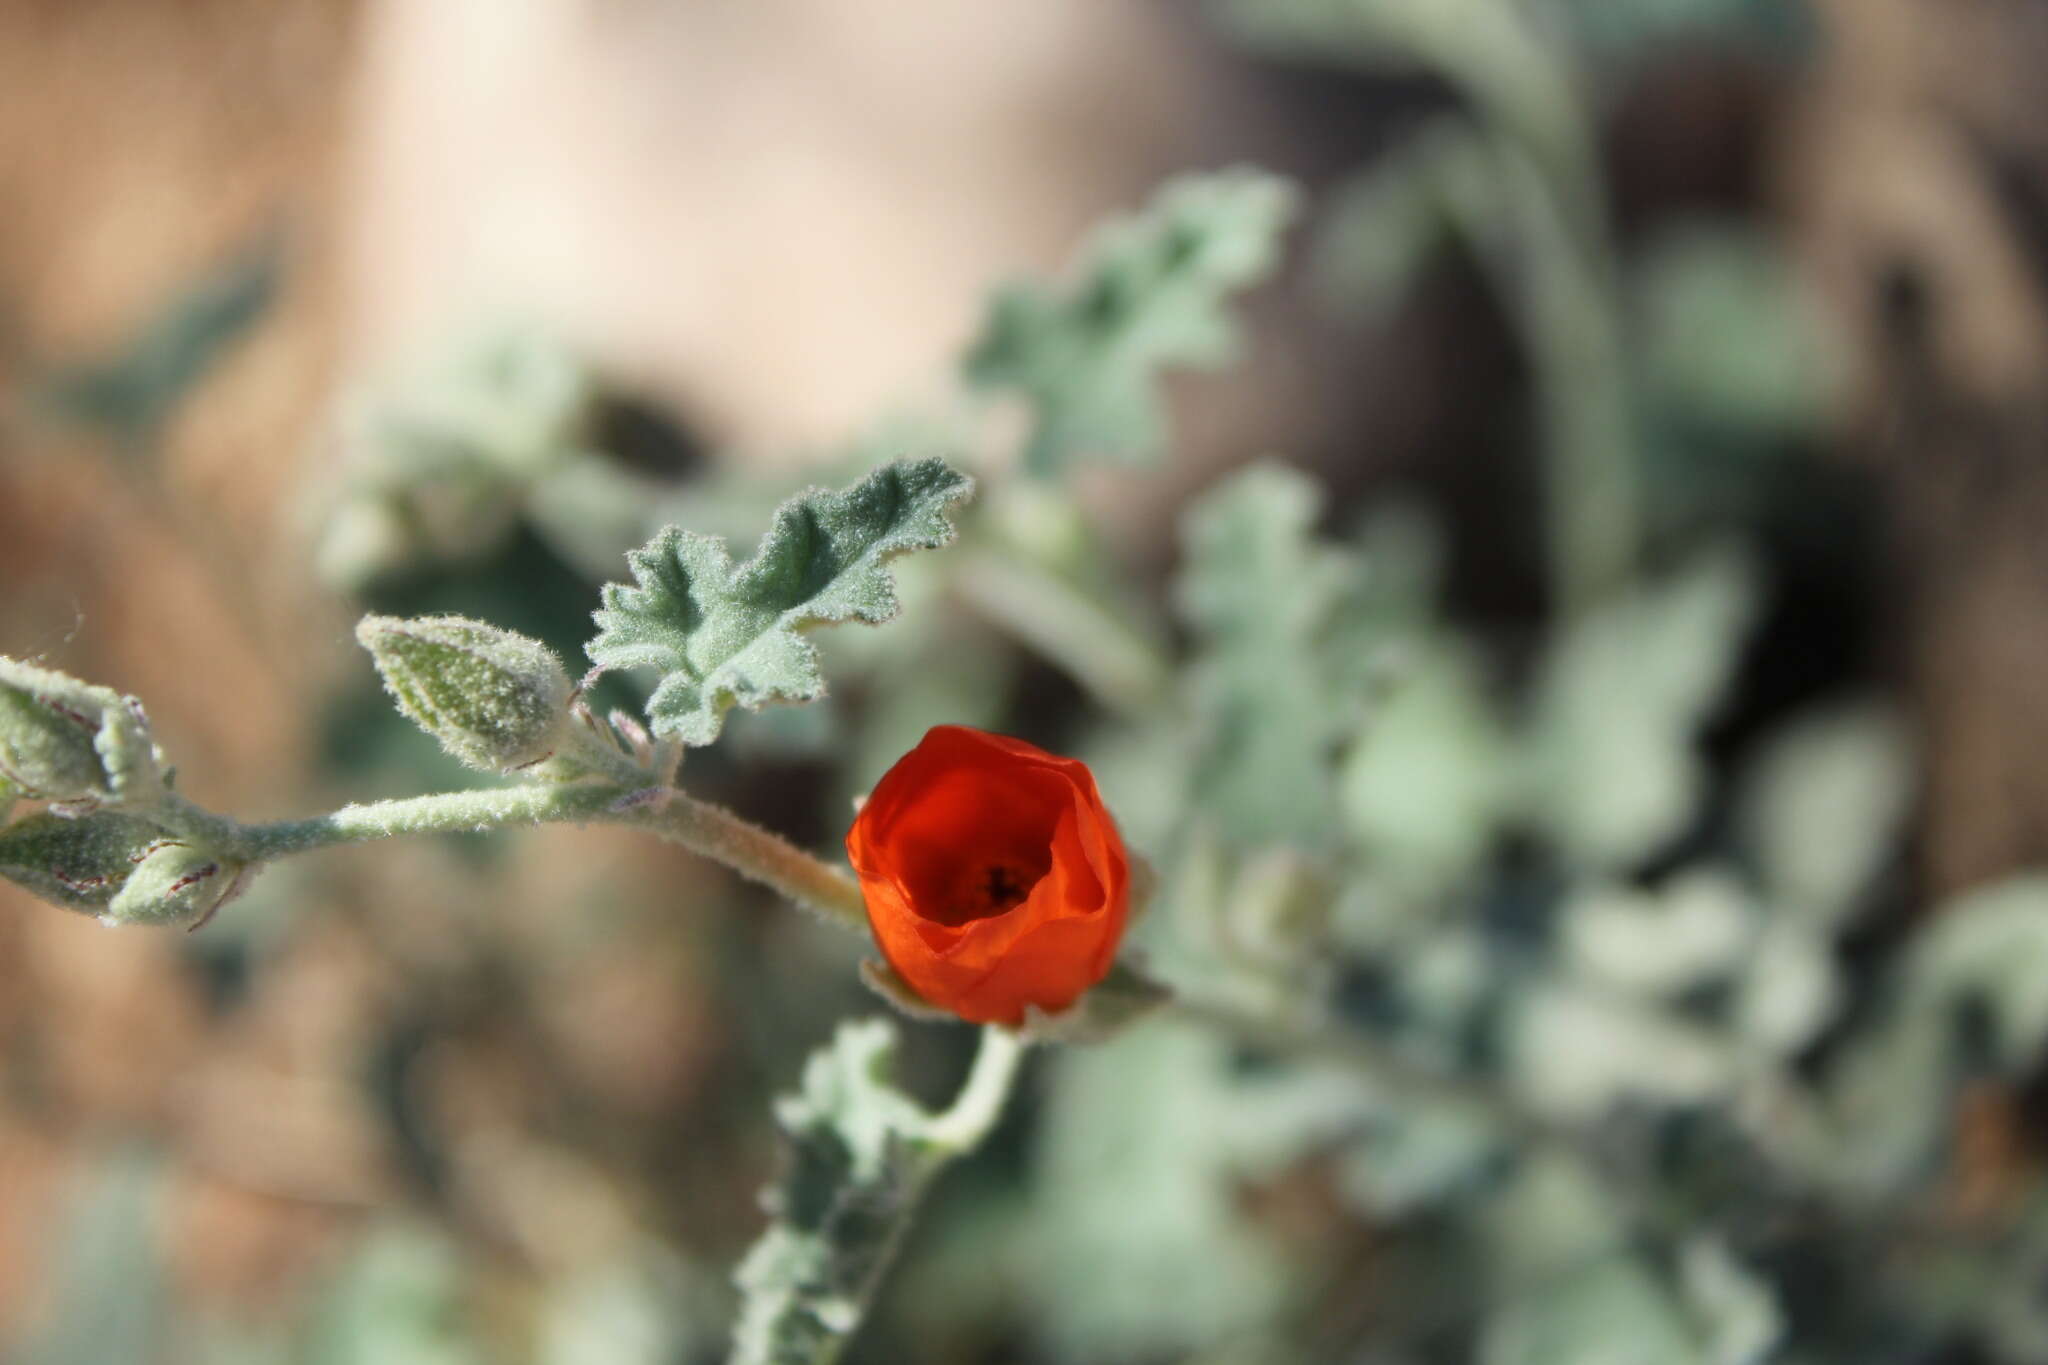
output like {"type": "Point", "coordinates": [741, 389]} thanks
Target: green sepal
{"type": "Point", "coordinates": [1150, 293]}
{"type": "Point", "coordinates": [78, 863]}
{"type": "Point", "coordinates": [887, 982]}
{"type": "Point", "coordinates": [175, 883]}
{"type": "Point", "coordinates": [726, 634]}
{"type": "Point", "coordinates": [495, 699]}
{"type": "Point", "coordinates": [74, 743]}
{"type": "Point", "coordinates": [1105, 1010]}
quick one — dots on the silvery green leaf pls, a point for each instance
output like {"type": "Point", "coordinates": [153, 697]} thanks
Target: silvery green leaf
{"type": "Point", "coordinates": [1412, 1157]}
{"type": "Point", "coordinates": [1162, 1118]}
{"type": "Point", "coordinates": [1425, 784]}
{"type": "Point", "coordinates": [1789, 989]}
{"type": "Point", "coordinates": [725, 634]}
{"type": "Point", "coordinates": [437, 461]}
{"type": "Point", "coordinates": [1261, 593]}
{"type": "Point", "coordinates": [1822, 808]}
{"type": "Point", "coordinates": [1971, 997]}
{"type": "Point", "coordinates": [1987, 952]}
{"type": "Point", "coordinates": [109, 1294]}
{"type": "Point", "coordinates": [1693, 929]}
{"type": "Point", "coordinates": [1553, 1217]}
{"type": "Point", "coordinates": [1622, 693]}
{"type": "Point", "coordinates": [1577, 1052]}
{"type": "Point", "coordinates": [1723, 341]}
{"type": "Point", "coordinates": [647, 1308]}
{"type": "Point", "coordinates": [860, 1155]}
{"type": "Point", "coordinates": [1736, 1314]}
{"type": "Point", "coordinates": [1149, 294]}
{"type": "Point", "coordinates": [1615, 1312]}
{"type": "Point", "coordinates": [398, 1297]}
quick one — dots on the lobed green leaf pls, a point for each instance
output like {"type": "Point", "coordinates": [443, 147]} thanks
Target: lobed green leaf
{"type": "Point", "coordinates": [726, 634]}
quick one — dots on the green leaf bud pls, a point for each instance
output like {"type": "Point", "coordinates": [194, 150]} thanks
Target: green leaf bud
{"type": "Point", "coordinates": [175, 882]}
{"type": "Point", "coordinates": [496, 700]}
{"type": "Point", "coordinates": [81, 864]}
{"type": "Point", "coordinates": [70, 742]}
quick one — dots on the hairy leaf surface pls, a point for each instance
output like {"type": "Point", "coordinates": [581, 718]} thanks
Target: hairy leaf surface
{"type": "Point", "coordinates": [724, 633]}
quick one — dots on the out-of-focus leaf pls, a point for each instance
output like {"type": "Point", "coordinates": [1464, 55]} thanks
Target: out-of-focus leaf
{"type": "Point", "coordinates": [1735, 1313]}
{"type": "Point", "coordinates": [1723, 345]}
{"type": "Point", "coordinates": [642, 1311]}
{"type": "Point", "coordinates": [1577, 1053]}
{"type": "Point", "coordinates": [1136, 1233]}
{"type": "Point", "coordinates": [1693, 930]}
{"type": "Point", "coordinates": [725, 634]}
{"type": "Point", "coordinates": [1972, 998]}
{"type": "Point", "coordinates": [436, 463]}
{"type": "Point", "coordinates": [133, 393]}
{"type": "Point", "coordinates": [1425, 785]}
{"type": "Point", "coordinates": [1789, 990]}
{"type": "Point", "coordinates": [1411, 1157]}
{"type": "Point", "coordinates": [110, 1293]}
{"type": "Point", "coordinates": [1611, 1313]}
{"type": "Point", "coordinates": [398, 1298]}
{"type": "Point", "coordinates": [1622, 694]}
{"type": "Point", "coordinates": [1986, 953]}
{"type": "Point", "coordinates": [1261, 594]}
{"type": "Point", "coordinates": [1149, 294]}
{"type": "Point", "coordinates": [1822, 809]}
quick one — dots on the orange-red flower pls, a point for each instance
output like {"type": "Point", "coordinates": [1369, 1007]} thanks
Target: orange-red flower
{"type": "Point", "coordinates": [994, 877]}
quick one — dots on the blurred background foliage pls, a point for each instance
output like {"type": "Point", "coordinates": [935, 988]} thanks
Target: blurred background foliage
{"type": "Point", "coordinates": [1590, 767]}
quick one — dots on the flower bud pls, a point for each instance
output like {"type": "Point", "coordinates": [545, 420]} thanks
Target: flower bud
{"type": "Point", "coordinates": [496, 700]}
{"type": "Point", "coordinates": [81, 864]}
{"type": "Point", "coordinates": [175, 882]}
{"type": "Point", "coordinates": [66, 741]}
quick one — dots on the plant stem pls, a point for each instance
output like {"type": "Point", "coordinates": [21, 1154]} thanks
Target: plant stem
{"type": "Point", "coordinates": [751, 851]}
{"type": "Point", "coordinates": [699, 826]}
{"type": "Point", "coordinates": [980, 1102]}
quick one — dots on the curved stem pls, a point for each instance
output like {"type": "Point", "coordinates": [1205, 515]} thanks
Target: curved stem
{"type": "Point", "coordinates": [749, 850]}
{"type": "Point", "coordinates": [987, 1088]}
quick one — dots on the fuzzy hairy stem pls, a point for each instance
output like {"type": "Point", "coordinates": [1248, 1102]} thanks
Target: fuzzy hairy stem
{"type": "Point", "coordinates": [699, 826]}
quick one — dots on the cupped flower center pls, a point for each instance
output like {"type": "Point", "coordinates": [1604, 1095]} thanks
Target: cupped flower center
{"type": "Point", "coordinates": [974, 844]}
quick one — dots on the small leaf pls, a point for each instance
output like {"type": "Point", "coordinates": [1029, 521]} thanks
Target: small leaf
{"type": "Point", "coordinates": [1261, 594]}
{"type": "Point", "coordinates": [1149, 294]}
{"type": "Point", "coordinates": [725, 634]}
{"type": "Point", "coordinates": [1693, 930]}
{"type": "Point", "coordinates": [1620, 701]}
{"type": "Point", "coordinates": [1822, 808]}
